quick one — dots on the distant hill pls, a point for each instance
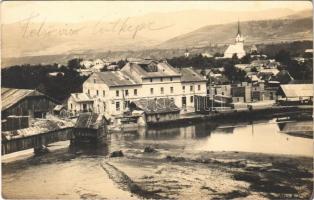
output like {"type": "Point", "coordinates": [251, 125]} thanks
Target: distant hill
{"type": "Point", "coordinates": [55, 42]}
{"type": "Point", "coordinates": [52, 38]}
{"type": "Point", "coordinates": [264, 31]}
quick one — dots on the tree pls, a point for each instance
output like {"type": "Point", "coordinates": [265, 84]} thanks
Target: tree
{"type": "Point", "coordinates": [283, 56]}
{"type": "Point", "coordinates": [232, 73]}
{"type": "Point", "coordinates": [218, 55]}
{"type": "Point", "coordinates": [234, 56]}
{"type": "Point", "coordinates": [74, 63]}
{"type": "Point", "coordinates": [246, 59]}
{"type": "Point", "coordinates": [121, 63]}
{"type": "Point", "coordinates": [253, 69]}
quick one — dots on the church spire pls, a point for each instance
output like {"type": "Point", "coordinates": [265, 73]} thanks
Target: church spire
{"type": "Point", "coordinates": [239, 36]}
{"type": "Point", "coordinates": [239, 30]}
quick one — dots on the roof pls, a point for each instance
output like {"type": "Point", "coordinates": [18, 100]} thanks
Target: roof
{"type": "Point", "coordinates": [11, 96]}
{"type": "Point", "coordinates": [190, 75]}
{"type": "Point", "coordinates": [242, 66]}
{"type": "Point", "coordinates": [297, 90]}
{"type": "Point", "coordinates": [156, 106]}
{"type": "Point", "coordinates": [89, 120]}
{"type": "Point", "coordinates": [115, 78]}
{"type": "Point", "coordinates": [271, 71]}
{"type": "Point", "coordinates": [58, 107]}
{"type": "Point", "coordinates": [163, 69]}
{"type": "Point", "coordinates": [81, 97]}
{"type": "Point", "coordinates": [39, 126]}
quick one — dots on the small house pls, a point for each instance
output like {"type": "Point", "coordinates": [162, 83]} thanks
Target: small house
{"type": "Point", "coordinates": [60, 110]}
{"type": "Point", "coordinates": [80, 102]}
{"type": "Point", "coordinates": [90, 127]}
{"type": "Point", "coordinates": [157, 110]}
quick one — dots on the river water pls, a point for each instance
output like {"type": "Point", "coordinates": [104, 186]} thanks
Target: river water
{"type": "Point", "coordinates": [82, 176]}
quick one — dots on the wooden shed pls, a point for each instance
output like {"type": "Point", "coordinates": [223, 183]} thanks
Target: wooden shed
{"type": "Point", "coordinates": [90, 127]}
{"type": "Point", "coordinates": [296, 94]}
{"type": "Point", "coordinates": [24, 102]}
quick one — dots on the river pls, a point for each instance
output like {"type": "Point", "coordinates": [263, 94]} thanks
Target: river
{"type": "Point", "coordinates": [81, 176]}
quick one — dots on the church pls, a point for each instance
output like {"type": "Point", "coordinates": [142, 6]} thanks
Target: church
{"type": "Point", "coordinates": [237, 48]}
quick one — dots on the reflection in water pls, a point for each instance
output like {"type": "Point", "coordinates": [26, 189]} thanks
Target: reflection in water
{"type": "Point", "coordinates": [258, 136]}
{"type": "Point", "coordinates": [297, 126]}
{"type": "Point", "coordinates": [160, 134]}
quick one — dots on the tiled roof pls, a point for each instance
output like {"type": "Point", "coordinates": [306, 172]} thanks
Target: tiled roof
{"type": "Point", "coordinates": [189, 75]}
{"type": "Point", "coordinates": [89, 120]}
{"type": "Point", "coordinates": [158, 106]}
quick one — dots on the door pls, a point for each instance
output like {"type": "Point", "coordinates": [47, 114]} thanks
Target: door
{"type": "Point", "coordinates": [84, 107]}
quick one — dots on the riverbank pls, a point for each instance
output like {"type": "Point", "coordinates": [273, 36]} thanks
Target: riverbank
{"type": "Point", "coordinates": [242, 115]}
{"type": "Point", "coordinates": [214, 175]}
{"type": "Point", "coordinates": [167, 174]}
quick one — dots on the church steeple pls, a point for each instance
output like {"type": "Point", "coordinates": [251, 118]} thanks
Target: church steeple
{"type": "Point", "coordinates": [239, 30]}
{"type": "Point", "coordinates": [239, 36]}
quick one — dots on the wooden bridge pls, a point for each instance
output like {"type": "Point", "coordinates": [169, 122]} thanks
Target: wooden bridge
{"type": "Point", "coordinates": [89, 127]}
{"type": "Point", "coordinates": [37, 141]}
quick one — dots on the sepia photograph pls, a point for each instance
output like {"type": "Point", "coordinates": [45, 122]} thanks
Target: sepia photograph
{"type": "Point", "coordinates": [124, 100]}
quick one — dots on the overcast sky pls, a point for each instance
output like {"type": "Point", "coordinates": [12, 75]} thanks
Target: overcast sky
{"type": "Point", "coordinates": [67, 11]}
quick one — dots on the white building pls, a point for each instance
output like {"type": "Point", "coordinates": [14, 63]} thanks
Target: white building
{"type": "Point", "coordinates": [237, 48]}
{"type": "Point", "coordinates": [112, 91]}
{"type": "Point", "coordinates": [80, 102]}
{"type": "Point", "coordinates": [187, 53]}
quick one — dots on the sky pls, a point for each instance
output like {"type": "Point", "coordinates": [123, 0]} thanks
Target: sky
{"type": "Point", "coordinates": [78, 11]}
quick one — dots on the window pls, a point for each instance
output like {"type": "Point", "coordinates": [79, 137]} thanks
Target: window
{"type": "Point", "coordinates": [88, 91]}
{"type": "Point", "coordinates": [151, 80]}
{"type": "Point", "coordinates": [103, 93]}
{"type": "Point", "coordinates": [171, 89]}
{"type": "Point", "coordinates": [94, 80]}
{"type": "Point", "coordinates": [126, 93]}
{"type": "Point", "coordinates": [183, 88]}
{"type": "Point", "coordinates": [161, 79]}
{"type": "Point", "coordinates": [135, 92]}
{"type": "Point", "coordinates": [97, 92]}
{"type": "Point", "coordinates": [171, 79]}
{"type": "Point", "coordinates": [161, 90]}
{"type": "Point", "coordinates": [117, 93]}
{"type": "Point", "coordinates": [191, 99]}
{"type": "Point", "coordinates": [222, 93]}
{"type": "Point", "coordinates": [71, 105]}
{"type": "Point", "coordinates": [151, 90]}
{"type": "Point", "coordinates": [191, 88]}
{"type": "Point", "coordinates": [117, 106]}
{"type": "Point", "coordinates": [199, 87]}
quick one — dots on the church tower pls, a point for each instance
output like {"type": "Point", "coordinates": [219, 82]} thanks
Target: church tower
{"type": "Point", "coordinates": [239, 38]}
{"type": "Point", "coordinates": [238, 47]}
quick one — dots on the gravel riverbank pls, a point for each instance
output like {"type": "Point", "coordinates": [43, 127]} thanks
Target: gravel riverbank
{"type": "Point", "coordinates": [215, 175]}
